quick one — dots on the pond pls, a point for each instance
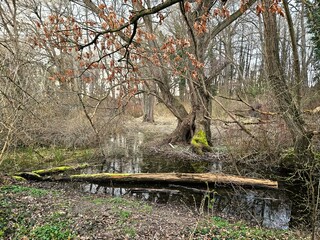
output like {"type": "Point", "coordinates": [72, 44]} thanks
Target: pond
{"type": "Point", "coordinates": [269, 208]}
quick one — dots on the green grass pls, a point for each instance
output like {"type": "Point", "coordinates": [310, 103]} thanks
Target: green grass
{"type": "Point", "coordinates": [219, 228]}
{"type": "Point", "coordinates": [124, 214]}
{"type": "Point", "coordinates": [118, 202]}
{"type": "Point", "coordinates": [130, 232]}
{"type": "Point", "coordinates": [28, 159]}
{"type": "Point", "coordinates": [52, 231]}
{"type": "Point", "coordinates": [34, 192]}
{"type": "Point", "coordinates": [17, 220]}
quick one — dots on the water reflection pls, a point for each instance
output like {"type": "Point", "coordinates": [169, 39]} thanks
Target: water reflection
{"type": "Point", "coordinates": [125, 156]}
{"type": "Point", "coordinates": [268, 208]}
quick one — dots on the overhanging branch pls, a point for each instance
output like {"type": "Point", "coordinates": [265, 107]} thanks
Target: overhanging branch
{"type": "Point", "coordinates": [133, 20]}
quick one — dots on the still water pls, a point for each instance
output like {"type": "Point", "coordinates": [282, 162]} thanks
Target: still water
{"type": "Point", "coordinates": [270, 208]}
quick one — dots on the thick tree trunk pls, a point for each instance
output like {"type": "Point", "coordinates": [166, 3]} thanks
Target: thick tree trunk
{"type": "Point", "coordinates": [287, 105]}
{"type": "Point", "coordinates": [193, 127]}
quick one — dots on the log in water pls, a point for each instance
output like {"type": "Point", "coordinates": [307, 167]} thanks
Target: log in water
{"type": "Point", "coordinates": [186, 178]}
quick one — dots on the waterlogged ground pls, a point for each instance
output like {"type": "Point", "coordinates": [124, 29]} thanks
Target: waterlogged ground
{"type": "Point", "coordinates": [53, 211]}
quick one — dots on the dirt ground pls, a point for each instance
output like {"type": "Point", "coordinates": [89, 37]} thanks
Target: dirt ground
{"type": "Point", "coordinates": [101, 217]}
{"type": "Point", "coordinates": [49, 210]}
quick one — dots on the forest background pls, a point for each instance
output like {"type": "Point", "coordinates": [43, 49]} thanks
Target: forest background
{"type": "Point", "coordinates": [242, 75]}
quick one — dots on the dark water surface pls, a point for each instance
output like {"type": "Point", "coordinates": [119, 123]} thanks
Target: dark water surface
{"type": "Point", "coordinates": [270, 208]}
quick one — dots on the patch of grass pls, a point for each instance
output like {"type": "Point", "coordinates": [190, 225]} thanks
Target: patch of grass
{"type": "Point", "coordinates": [220, 222]}
{"type": "Point", "coordinates": [28, 159]}
{"type": "Point", "coordinates": [56, 231]}
{"type": "Point", "coordinates": [146, 208]}
{"type": "Point", "coordinates": [99, 201]}
{"type": "Point", "coordinates": [15, 221]}
{"type": "Point", "coordinates": [219, 228]}
{"type": "Point", "coordinates": [34, 192]}
{"type": "Point", "coordinates": [117, 202]}
{"type": "Point", "coordinates": [19, 221]}
{"type": "Point", "coordinates": [130, 232]}
{"type": "Point", "coordinates": [124, 214]}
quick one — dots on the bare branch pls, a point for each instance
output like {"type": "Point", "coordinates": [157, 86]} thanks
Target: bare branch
{"type": "Point", "coordinates": [133, 20]}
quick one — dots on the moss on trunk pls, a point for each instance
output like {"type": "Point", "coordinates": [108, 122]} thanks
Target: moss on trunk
{"type": "Point", "coordinates": [200, 143]}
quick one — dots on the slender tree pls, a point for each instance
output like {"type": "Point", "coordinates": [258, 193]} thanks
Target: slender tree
{"type": "Point", "coordinates": [313, 14]}
{"type": "Point", "coordinates": [289, 110]}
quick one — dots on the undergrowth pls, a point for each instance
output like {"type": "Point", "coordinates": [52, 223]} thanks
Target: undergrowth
{"type": "Point", "coordinates": [218, 228]}
{"type": "Point", "coordinates": [26, 159]}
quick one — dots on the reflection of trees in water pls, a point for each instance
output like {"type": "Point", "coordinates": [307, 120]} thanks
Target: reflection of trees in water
{"type": "Point", "coordinates": [126, 156]}
{"type": "Point", "coordinates": [124, 153]}
{"type": "Point", "coordinates": [96, 188]}
{"type": "Point", "coordinates": [269, 209]}
{"type": "Point", "coordinates": [160, 165]}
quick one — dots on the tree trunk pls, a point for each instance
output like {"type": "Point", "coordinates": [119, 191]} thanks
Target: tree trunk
{"type": "Point", "coordinates": [296, 62]}
{"type": "Point", "coordinates": [194, 126]}
{"type": "Point", "coordinates": [148, 106]}
{"type": "Point", "coordinates": [194, 129]}
{"type": "Point", "coordinates": [185, 178]}
{"type": "Point", "coordinates": [287, 105]}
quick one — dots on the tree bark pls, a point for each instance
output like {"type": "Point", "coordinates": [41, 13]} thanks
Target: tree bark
{"type": "Point", "coordinates": [276, 77]}
{"type": "Point", "coordinates": [186, 178]}
{"type": "Point", "coordinates": [296, 62]}
{"type": "Point", "coordinates": [148, 106]}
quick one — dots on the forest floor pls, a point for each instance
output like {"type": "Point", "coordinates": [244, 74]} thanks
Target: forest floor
{"type": "Point", "coordinates": [48, 210]}
{"type": "Point", "coordinates": [55, 211]}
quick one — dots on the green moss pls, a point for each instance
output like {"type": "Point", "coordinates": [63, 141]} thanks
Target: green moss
{"type": "Point", "coordinates": [18, 178]}
{"type": "Point", "coordinates": [27, 159]}
{"type": "Point", "coordinates": [200, 167]}
{"type": "Point", "coordinates": [200, 142]}
{"type": "Point", "coordinates": [29, 175]}
{"type": "Point", "coordinates": [52, 170]}
{"type": "Point", "coordinates": [59, 169]}
{"type": "Point", "coordinates": [98, 175]}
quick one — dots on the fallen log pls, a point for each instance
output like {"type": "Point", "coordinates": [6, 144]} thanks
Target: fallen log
{"type": "Point", "coordinates": [29, 176]}
{"type": "Point", "coordinates": [169, 178]}
{"type": "Point", "coordinates": [55, 170]}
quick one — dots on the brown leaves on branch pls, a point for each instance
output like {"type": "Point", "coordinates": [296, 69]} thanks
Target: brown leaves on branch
{"type": "Point", "coordinates": [200, 26]}
{"type": "Point", "coordinates": [275, 8]}
{"type": "Point", "coordinates": [243, 5]}
{"type": "Point", "coordinates": [187, 6]}
{"type": "Point", "coordinates": [260, 8]}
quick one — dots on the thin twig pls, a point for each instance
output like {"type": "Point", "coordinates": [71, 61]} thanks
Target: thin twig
{"type": "Point", "coordinates": [233, 118]}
